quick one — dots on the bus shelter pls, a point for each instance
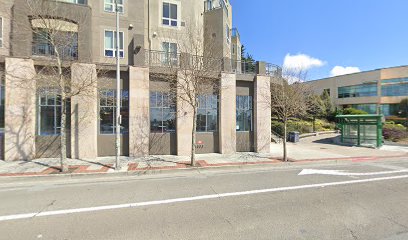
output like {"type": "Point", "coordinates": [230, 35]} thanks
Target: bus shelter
{"type": "Point", "coordinates": [361, 130]}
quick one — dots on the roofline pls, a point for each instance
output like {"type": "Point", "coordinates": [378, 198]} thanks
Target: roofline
{"type": "Point", "coordinates": [378, 69]}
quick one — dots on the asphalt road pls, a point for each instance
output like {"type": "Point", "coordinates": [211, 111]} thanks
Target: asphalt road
{"type": "Point", "coordinates": [367, 200]}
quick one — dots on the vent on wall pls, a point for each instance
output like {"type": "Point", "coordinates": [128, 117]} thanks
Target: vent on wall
{"type": "Point", "coordinates": [183, 24]}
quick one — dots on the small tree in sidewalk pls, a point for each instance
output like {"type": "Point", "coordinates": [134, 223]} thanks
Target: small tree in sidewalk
{"type": "Point", "coordinates": [290, 97]}
{"type": "Point", "coordinates": [193, 70]}
{"type": "Point", "coordinates": [55, 38]}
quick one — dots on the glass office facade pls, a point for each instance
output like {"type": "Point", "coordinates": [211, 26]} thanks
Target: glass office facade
{"type": "Point", "coordinates": [363, 90]}
{"type": "Point", "coordinates": [394, 87]}
{"type": "Point", "coordinates": [369, 108]}
{"type": "Point", "coordinates": [389, 109]}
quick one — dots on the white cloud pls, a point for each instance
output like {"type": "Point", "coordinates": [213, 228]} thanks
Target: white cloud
{"type": "Point", "coordinates": [339, 70]}
{"type": "Point", "coordinates": [301, 62]}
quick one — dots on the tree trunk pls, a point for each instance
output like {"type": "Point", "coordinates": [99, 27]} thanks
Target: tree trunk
{"type": "Point", "coordinates": [193, 138]}
{"type": "Point", "coordinates": [63, 148]}
{"type": "Point", "coordinates": [285, 154]}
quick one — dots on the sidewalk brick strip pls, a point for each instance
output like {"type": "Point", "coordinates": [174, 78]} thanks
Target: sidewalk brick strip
{"type": "Point", "coordinates": [148, 165]}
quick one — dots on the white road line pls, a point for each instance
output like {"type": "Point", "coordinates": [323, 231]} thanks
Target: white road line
{"type": "Point", "coordinates": [190, 199]}
{"type": "Point", "coordinates": [344, 173]}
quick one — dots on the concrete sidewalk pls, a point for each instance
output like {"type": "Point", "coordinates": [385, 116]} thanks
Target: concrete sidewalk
{"type": "Point", "coordinates": [311, 149]}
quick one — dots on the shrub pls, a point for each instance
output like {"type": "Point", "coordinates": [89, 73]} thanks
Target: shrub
{"type": "Point", "coordinates": [353, 111]}
{"type": "Point", "coordinates": [394, 132]}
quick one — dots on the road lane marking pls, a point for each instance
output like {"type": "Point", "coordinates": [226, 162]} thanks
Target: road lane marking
{"type": "Point", "coordinates": [345, 173]}
{"type": "Point", "coordinates": [190, 199]}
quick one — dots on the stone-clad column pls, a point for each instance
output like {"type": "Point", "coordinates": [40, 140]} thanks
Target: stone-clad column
{"type": "Point", "coordinates": [20, 110]}
{"type": "Point", "coordinates": [139, 115]}
{"type": "Point", "coordinates": [184, 121]}
{"type": "Point", "coordinates": [227, 111]}
{"type": "Point", "coordinates": [84, 112]}
{"type": "Point", "coordinates": [262, 112]}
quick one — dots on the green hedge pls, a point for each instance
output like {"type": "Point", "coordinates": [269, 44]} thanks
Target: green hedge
{"type": "Point", "coordinates": [302, 126]}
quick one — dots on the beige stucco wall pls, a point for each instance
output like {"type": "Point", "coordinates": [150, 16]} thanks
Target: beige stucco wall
{"type": "Point", "coordinates": [84, 113]}
{"type": "Point", "coordinates": [262, 114]}
{"type": "Point", "coordinates": [397, 72]}
{"type": "Point", "coordinates": [139, 115]}
{"type": "Point", "coordinates": [189, 12]}
{"type": "Point", "coordinates": [227, 114]}
{"type": "Point", "coordinates": [20, 110]}
{"type": "Point", "coordinates": [134, 11]}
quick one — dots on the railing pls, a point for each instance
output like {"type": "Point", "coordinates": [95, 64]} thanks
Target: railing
{"type": "Point", "coordinates": [215, 4]}
{"type": "Point", "coordinates": [67, 53]}
{"type": "Point", "coordinates": [243, 67]}
{"type": "Point", "coordinates": [162, 59]}
{"type": "Point", "coordinates": [273, 70]}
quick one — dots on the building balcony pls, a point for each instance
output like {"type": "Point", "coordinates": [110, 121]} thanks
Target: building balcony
{"type": "Point", "coordinates": [162, 59]}
{"type": "Point", "coordinates": [235, 33]}
{"type": "Point", "coordinates": [210, 5]}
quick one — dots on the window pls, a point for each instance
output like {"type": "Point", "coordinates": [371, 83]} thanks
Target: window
{"type": "Point", "coordinates": [1, 32]}
{"type": "Point", "coordinates": [49, 112]}
{"type": "Point", "coordinates": [67, 44]}
{"type": "Point", "coordinates": [110, 44]}
{"type": "Point", "coordinates": [228, 34]}
{"type": "Point", "coordinates": [233, 48]}
{"type": "Point", "coordinates": [327, 90]}
{"type": "Point", "coordinates": [162, 112]}
{"type": "Point", "coordinates": [369, 108]}
{"type": "Point", "coordinates": [74, 1]}
{"type": "Point", "coordinates": [107, 111]}
{"type": "Point", "coordinates": [110, 6]}
{"type": "Point", "coordinates": [363, 90]}
{"type": "Point", "coordinates": [169, 14]}
{"type": "Point", "coordinates": [170, 56]}
{"type": "Point", "coordinates": [394, 87]}
{"type": "Point", "coordinates": [390, 109]}
{"type": "Point", "coordinates": [244, 113]}
{"type": "Point", "coordinates": [207, 115]}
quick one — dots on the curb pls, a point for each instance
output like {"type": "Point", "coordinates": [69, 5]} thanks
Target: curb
{"type": "Point", "coordinates": [157, 171]}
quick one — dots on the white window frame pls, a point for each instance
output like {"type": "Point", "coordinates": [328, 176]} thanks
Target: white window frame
{"type": "Point", "coordinates": [228, 31]}
{"type": "Point", "coordinates": [169, 18]}
{"type": "Point", "coordinates": [170, 57]}
{"type": "Point", "coordinates": [114, 45]}
{"type": "Point", "coordinates": [112, 4]}
{"type": "Point", "coordinates": [1, 32]}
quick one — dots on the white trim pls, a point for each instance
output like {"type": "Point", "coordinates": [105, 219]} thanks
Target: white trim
{"type": "Point", "coordinates": [113, 49]}
{"type": "Point", "coordinates": [178, 14]}
{"type": "Point", "coordinates": [113, 6]}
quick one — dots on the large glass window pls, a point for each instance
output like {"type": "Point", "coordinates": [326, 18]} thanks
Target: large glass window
{"type": "Point", "coordinates": [207, 115]}
{"type": "Point", "coordinates": [394, 87]}
{"type": "Point", "coordinates": [162, 112]}
{"type": "Point", "coordinates": [169, 14]}
{"type": "Point", "coordinates": [244, 113]}
{"type": "Point", "coordinates": [110, 6]}
{"type": "Point", "coordinates": [369, 108]}
{"type": "Point", "coordinates": [110, 44]}
{"type": "Point", "coordinates": [107, 111]}
{"type": "Point", "coordinates": [66, 43]}
{"type": "Point", "coordinates": [363, 90]}
{"type": "Point", "coordinates": [390, 109]}
{"type": "Point", "coordinates": [49, 112]}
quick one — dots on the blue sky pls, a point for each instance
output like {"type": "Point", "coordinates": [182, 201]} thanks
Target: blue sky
{"type": "Point", "coordinates": [322, 34]}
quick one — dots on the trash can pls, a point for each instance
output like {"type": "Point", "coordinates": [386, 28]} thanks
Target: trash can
{"type": "Point", "coordinates": [294, 137]}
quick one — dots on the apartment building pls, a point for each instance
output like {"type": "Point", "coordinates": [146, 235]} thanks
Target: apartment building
{"type": "Point", "coordinates": [153, 36]}
{"type": "Point", "coordinates": [376, 92]}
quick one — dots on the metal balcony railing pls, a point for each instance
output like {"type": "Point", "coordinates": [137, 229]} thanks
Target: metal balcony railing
{"type": "Point", "coordinates": [210, 5]}
{"type": "Point", "coordinates": [273, 70]}
{"type": "Point", "coordinates": [243, 67]}
{"type": "Point", "coordinates": [46, 50]}
{"type": "Point", "coordinates": [162, 59]}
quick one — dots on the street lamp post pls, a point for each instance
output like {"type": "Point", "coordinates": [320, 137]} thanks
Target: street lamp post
{"type": "Point", "coordinates": [118, 92]}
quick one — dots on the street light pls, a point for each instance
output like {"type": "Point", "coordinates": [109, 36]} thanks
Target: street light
{"type": "Point", "coordinates": [118, 93]}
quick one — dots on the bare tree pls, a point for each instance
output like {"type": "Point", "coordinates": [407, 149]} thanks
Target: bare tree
{"type": "Point", "coordinates": [290, 97]}
{"type": "Point", "coordinates": [55, 32]}
{"type": "Point", "coordinates": [191, 72]}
